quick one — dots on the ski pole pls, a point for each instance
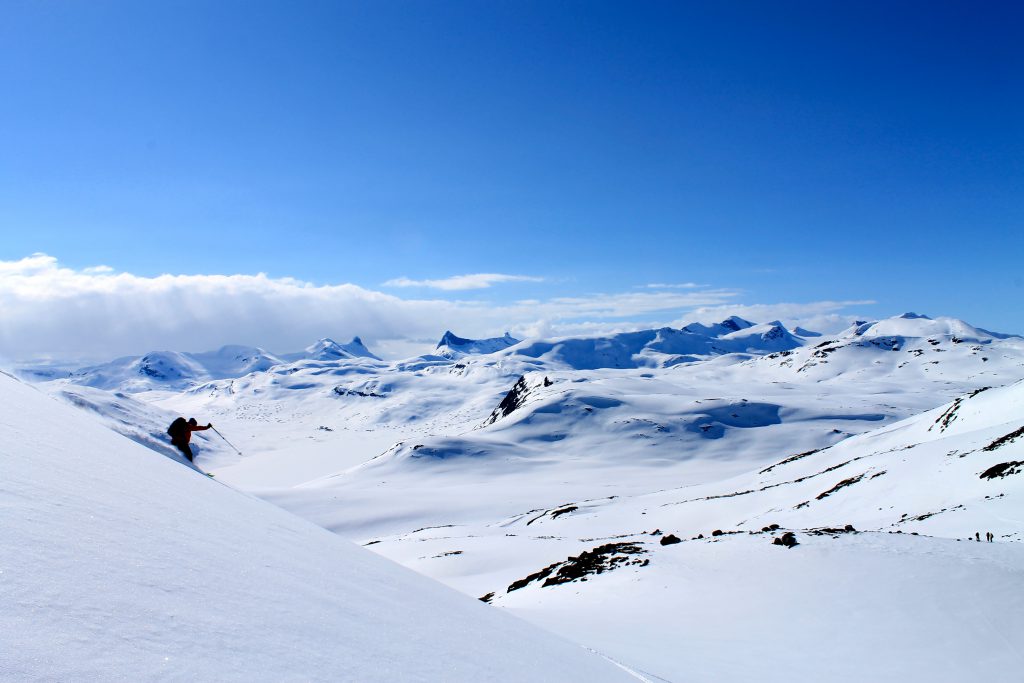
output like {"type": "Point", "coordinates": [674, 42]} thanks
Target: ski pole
{"type": "Point", "coordinates": [225, 440]}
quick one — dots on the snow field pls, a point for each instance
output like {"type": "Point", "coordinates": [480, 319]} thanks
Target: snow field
{"type": "Point", "coordinates": [492, 463]}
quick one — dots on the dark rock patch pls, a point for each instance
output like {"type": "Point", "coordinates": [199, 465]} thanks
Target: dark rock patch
{"type": "Point", "coordinates": [787, 539]}
{"type": "Point", "coordinates": [788, 460]}
{"type": "Point", "coordinates": [1005, 439]}
{"type": "Point", "coordinates": [841, 485]}
{"type": "Point", "coordinates": [514, 399]}
{"type": "Point", "coordinates": [342, 391]}
{"type": "Point", "coordinates": [948, 416]}
{"type": "Point", "coordinates": [1003, 469]}
{"type": "Point", "coordinates": [670, 539]}
{"type": "Point", "coordinates": [487, 598]}
{"type": "Point", "coordinates": [832, 531]}
{"type": "Point", "coordinates": [597, 561]}
{"type": "Point", "coordinates": [555, 514]}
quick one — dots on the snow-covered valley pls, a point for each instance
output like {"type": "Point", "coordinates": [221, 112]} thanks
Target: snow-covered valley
{"type": "Point", "coordinates": [624, 492]}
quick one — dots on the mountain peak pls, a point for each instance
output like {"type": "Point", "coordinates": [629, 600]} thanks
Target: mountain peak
{"type": "Point", "coordinates": [328, 349]}
{"type": "Point", "coordinates": [449, 338]}
{"type": "Point", "coordinates": [736, 323]}
{"type": "Point", "coordinates": [452, 344]}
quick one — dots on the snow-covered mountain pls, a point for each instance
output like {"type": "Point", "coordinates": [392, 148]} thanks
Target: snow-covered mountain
{"type": "Point", "coordinates": [916, 325]}
{"type": "Point", "coordinates": [176, 371]}
{"type": "Point", "coordinates": [171, 370]}
{"type": "Point", "coordinates": [131, 567]}
{"type": "Point", "coordinates": [659, 348]}
{"type": "Point", "coordinates": [454, 347]}
{"type": "Point", "coordinates": [328, 349]}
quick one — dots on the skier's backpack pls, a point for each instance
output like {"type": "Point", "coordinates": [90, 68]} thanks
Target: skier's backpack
{"type": "Point", "coordinates": [177, 429]}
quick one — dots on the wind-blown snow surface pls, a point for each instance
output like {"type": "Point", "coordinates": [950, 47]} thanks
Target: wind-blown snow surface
{"type": "Point", "coordinates": [118, 564]}
{"type": "Point", "coordinates": [554, 459]}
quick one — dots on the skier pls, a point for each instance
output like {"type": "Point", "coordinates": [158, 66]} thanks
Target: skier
{"type": "Point", "coordinates": [181, 434]}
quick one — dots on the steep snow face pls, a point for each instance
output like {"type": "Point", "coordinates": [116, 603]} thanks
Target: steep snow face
{"type": "Point", "coordinates": [129, 566]}
{"type": "Point", "coordinates": [143, 423]}
{"type": "Point", "coordinates": [454, 347]}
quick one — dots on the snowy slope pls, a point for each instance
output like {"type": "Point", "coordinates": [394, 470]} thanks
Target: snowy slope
{"type": "Point", "coordinates": [131, 567]}
{"type": "Point", "coordinates": [864, 607]}
{"type": "Point", "coordinates": [723, 598]}
{"type": "Point", "coordinates": [143, 423]}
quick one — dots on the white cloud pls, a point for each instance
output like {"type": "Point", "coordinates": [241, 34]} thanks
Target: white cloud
{"type": "Point", "coordinates": [681, 285]}
{"type": "Point", "coordinates": [52, 310]}
{"type": "Point", "coordinates": [462, 282]}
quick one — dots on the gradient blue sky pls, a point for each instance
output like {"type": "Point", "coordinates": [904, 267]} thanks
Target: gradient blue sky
{"type": "Point", "coordinates": [789, 151]}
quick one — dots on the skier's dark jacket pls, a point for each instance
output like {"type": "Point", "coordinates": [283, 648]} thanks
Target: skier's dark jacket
{"type": "Point", "coordinates": [181, 431]}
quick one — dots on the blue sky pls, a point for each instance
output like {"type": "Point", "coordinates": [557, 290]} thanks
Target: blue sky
{"type": "Point", "coordinates": [791, 152]}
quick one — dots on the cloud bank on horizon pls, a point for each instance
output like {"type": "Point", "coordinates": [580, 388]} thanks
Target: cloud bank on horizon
{"type": "Point", "coordinates": [51, 310]}
{"type": "Point", "coordinates": [462, 282]}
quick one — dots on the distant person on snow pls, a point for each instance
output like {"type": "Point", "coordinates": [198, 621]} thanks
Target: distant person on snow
{"type": "Point", "coordinates": [181, 434]}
